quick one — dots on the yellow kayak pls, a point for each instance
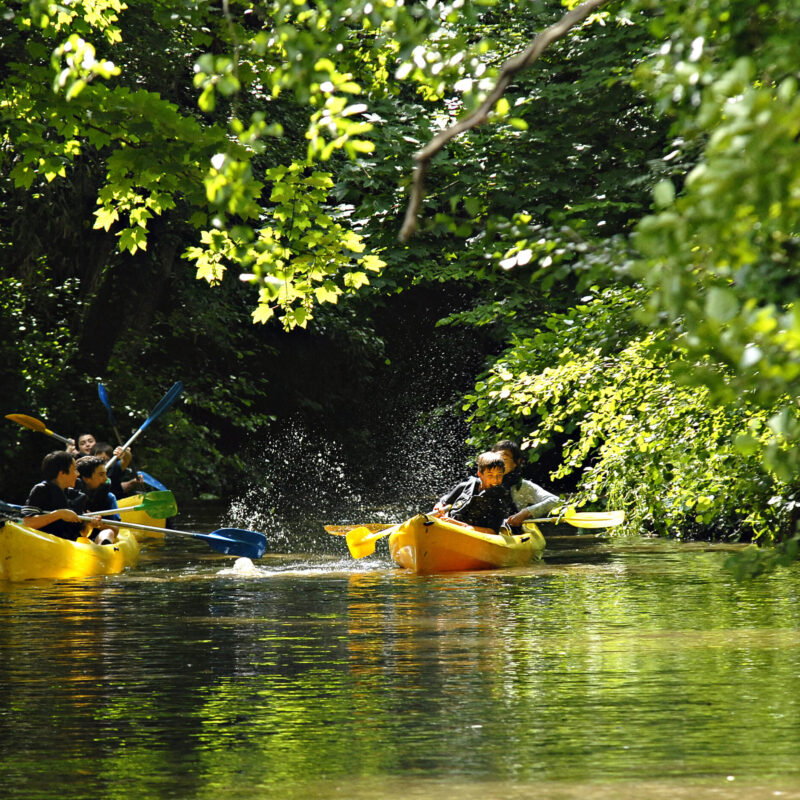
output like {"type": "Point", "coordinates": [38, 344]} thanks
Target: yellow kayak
{"type": "Point", "coordinates": [139, 517]}
{"type": "Point", "coordinates": [28, 554]}
{"type": "Point", "coordinates": [426, 544]}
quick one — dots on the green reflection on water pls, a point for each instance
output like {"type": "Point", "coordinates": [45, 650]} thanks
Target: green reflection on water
{"type": "Point", "coordinates": [631, 664]}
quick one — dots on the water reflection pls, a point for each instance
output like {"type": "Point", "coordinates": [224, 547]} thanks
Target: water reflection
{"type": "Point", "coordinates": [630, 667]}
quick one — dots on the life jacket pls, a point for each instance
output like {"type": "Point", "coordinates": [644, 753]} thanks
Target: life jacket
{"type": "Point", "coordinates": [99, 499]}
{"type": "Point", "coordinates": [486, 508]}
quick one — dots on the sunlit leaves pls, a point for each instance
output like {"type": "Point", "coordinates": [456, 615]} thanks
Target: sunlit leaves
{"type": "Point", "coordinates": [629, 434]}
{"type": "Point", "coordinates": [302, 254]}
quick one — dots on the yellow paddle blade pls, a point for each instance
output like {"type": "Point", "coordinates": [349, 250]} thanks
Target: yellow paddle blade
{"type": "Point", "coordinates": [594, 519]}
{"type": "Point", "coordinates": [361, 542]}
{"type": "Point", "coordinates": [585, 519]}
{"type": "Point", "coordinates": [28, 422]}
{"type": "Point", "coordinates": [373, 527]}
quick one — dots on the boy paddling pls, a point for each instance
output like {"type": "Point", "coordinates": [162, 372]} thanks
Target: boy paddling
{"type": "Point", "coordinates": [54, 504]}
{"type": "Point", "coordinates": [480, 501]}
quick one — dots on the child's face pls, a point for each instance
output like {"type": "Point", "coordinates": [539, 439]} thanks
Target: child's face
{"type": "Point", "coordinates": [490, 477]}
{"type": "Point", "coordinates": [86, 443]}
{"type": "Point", "coordinates": [66, 480]}
{"type": "Point", "coordinates": [98, 477]}
{"type": "Point", "coordinates": [508, 460]}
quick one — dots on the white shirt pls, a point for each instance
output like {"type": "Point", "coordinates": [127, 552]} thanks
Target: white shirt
{"type": "Point", "coordinates": [527, 496]}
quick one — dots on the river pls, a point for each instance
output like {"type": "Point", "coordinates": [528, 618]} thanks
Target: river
{"type": "Point", "coordinates": [616, 667]}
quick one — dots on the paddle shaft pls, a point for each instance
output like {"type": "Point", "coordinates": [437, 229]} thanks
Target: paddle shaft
{"type": "Point", "coordinates": [56, 436]}
{"type": "Point", "coordinates": [163, 404]}
{"type": "Point", "coordinates": [136, 525]}
{"type": "Point", "coordinates": [250, 543]}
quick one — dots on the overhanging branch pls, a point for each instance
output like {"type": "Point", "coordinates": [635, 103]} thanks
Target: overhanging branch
{"type": "Point", "coordinates": [507, 72]}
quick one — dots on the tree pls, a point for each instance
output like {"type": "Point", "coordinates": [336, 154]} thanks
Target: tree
{"type": "Point", "coordinates": [642, 176]}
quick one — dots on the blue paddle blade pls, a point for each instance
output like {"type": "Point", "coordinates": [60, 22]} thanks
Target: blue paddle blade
{"type": "Point", "coordinates": [236, 542]}
{"type": "Point", "coordinates": [163, 404]}
{"type": "Point", "coordinates": [151, 481]}
{"type": "Point", "coordinates": [101, 390]}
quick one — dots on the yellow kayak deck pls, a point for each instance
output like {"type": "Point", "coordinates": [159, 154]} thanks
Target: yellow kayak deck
{"type": "Point", "coordinates": [28, 554]}
{"type": "Point", "coordinates": [139, 517]}
{"type": "Point", "coordinates": [426, 545]}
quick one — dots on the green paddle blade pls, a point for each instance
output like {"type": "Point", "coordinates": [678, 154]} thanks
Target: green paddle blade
{"type": "Point", "coordinates": [159, 505]}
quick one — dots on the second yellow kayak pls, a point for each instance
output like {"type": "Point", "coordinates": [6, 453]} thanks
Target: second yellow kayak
{"type": "Point", "coordinates": [139, 517]}
{"type": "Point", "coordinates": [426, 544]}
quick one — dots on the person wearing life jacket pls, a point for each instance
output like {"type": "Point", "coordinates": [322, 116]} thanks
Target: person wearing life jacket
{"type": "Point", "coordinates": [54, 504]}
{"type": "Point", "coordinates": [93, 483]}
{"type": "Point", "coordinates": [530, 500]}
{"type": "Point", "coordinates": [124, 481]}
{"type": "Point", "coordinates": [481, 500]}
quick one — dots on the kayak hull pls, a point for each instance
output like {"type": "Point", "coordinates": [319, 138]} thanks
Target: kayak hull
{"type": "Point", "coordinates": [28, 554]}
{"type": "Point", "coordinates": [427, 545]}
{"type": "Point", "coordinates": [139, 517]}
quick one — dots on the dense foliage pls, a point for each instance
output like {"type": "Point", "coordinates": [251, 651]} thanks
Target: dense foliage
{"type": "Point", "coordinates": [683, 408]}
{"type": "Point", "coordinates": [624, 226]}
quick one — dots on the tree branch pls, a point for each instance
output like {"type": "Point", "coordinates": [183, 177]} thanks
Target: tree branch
{"type": "Point", "coordinates": [511, 67]}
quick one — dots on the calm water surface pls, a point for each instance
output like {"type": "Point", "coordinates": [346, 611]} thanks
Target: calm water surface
{"type": "Point", "coordinates": [614, 668]}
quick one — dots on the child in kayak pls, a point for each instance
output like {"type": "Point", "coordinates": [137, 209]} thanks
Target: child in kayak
{"type": "Point", "coordinates": [124, 481]}
{"type": "Point", "coordinates": [530, 501]}
{"type": "Point", "coordinates": [54, 504]}
{"type": "Point", "coordinates": [93, 482]}
{"type": "Point", "coordinates": [482, 500]}
{"type": "Point", "coordinates": [83, 447]}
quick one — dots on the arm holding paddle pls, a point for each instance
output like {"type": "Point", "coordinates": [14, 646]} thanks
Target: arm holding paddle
{"type": "Point", "coordinates": [124, 456]}
{"type": "Point", "coordinates": [531, 501]}
{"type": "Point", "coordinates": [39, 521]}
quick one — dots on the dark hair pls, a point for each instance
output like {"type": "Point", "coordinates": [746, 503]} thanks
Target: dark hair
{"type": "Point", "coordinates": [490, 460]}
{"type": "Point", "coordinates": [56, 462]}
{"type": "Point", "coordinates": [88, 464]}
{"type": "Point", "coordinates": [512, 447]}
{"type": "Point", "coordinates": [102, 447]}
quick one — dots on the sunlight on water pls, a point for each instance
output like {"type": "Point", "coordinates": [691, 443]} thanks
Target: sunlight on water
{"type": "Point", "coordinates": [614, 668]}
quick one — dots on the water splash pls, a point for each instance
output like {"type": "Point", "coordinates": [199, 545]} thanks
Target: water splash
{"type": "Point", "coordinates": [302, 480]}
{"type": "Point", "coordinates": [299, 478]}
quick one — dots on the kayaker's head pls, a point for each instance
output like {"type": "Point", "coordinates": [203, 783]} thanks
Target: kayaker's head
{"type": "Point", "coordinates": [92, 470]}
{"type": "Point", "coordinates": [86, 442]}
{"type": "Point", "coordinates": [60, 468]}
{"type": "Point", "coordinates": [490, 469]}
{"type": "Point", "coordinates": [511, 453]}
{"type": "Point", "coordinates": [103, 450]}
